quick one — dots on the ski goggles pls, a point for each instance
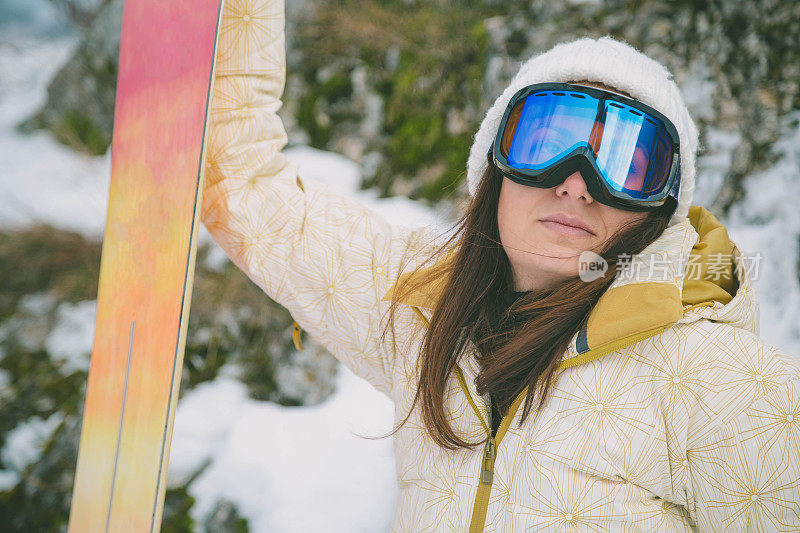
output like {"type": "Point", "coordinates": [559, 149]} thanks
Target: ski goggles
{"type": "Point", "coordinates": [627, 152]}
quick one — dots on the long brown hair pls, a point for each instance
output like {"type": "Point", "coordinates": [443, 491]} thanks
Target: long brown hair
{"type": "Point", "coordinates": [520, 347]}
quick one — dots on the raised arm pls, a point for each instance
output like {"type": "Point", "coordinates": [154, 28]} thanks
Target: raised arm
{"type": "Point", "coordinates": [323, 256]}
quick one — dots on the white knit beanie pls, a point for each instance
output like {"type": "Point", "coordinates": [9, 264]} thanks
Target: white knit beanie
{"type": "Point", "coordinates": [615, 64]}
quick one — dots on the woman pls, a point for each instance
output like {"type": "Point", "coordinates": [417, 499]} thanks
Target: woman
{"type": "Point", "coordinates": [529, 394]}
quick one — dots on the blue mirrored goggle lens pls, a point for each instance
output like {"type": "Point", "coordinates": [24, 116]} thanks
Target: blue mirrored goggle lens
{"type": "Point", "coordinates": [545, 126]}
{"type": "Point", "coordinates": [632, 150]}
{"type": "Point", "coordinates": [635, 153]}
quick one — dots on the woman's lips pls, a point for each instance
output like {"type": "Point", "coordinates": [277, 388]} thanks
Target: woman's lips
{"type": "Point", "coordinates": [571, 231]}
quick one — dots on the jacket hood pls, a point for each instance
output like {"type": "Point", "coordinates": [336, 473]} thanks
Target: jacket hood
{"type": "Point", "coordinates": [692, 271]}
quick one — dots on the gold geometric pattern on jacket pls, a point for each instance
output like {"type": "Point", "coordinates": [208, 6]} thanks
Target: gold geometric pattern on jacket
{"type": "Point", "coordinates": [669, 413]}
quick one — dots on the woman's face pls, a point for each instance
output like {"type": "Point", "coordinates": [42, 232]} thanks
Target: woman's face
{"type": "Point", "coordinates": [543, 253]}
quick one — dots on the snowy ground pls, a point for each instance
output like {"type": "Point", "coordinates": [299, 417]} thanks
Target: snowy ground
{"type": "Point", "coordinates": [306, 469]}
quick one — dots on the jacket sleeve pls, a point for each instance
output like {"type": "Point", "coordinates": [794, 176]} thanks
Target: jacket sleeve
{"type": "Point", "coordinates": [323, 256]}
{"type": "Point", "coordinates": [745, 474]}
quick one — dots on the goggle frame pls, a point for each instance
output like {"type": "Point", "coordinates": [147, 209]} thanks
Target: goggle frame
{"type": "Point", "coordinates": [582, 158]}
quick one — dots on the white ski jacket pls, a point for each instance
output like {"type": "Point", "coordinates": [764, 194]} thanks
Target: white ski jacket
{"type": "Point", "coordinates": [669, 413]}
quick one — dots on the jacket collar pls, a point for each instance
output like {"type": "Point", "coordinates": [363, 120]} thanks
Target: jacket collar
{"type": "Point", "coordinates": [693, 265]}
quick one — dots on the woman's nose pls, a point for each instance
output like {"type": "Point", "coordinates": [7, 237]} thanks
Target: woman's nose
{"type": "Point", "coordinates": [574, 186]}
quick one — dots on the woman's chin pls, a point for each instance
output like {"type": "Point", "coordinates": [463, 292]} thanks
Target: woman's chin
{"type": "Point", "coordinates": [562, 264]}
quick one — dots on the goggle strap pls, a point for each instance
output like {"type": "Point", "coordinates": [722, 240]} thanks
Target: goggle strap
{"type": "Point", "coordinates": [676, 185]}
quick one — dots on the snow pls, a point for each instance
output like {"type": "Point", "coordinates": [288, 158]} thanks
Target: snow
{"type": "Point", "coordinates": [23, 445]}
{"type": "Point", "coordinates": [76, 184]}
{"type": "Point", "coordinates": [289, 469]}
{"type": "Point", "coordinates": [8, 479]}
{"type": "Point", "coordinates": [712, 167]}
{"type": "Point", "coordinates": [70, 341]}
{"type": "Point", "coordinates": [766, 221]}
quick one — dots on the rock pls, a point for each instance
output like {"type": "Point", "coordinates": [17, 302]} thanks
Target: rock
{"type": "Point", "coordinates": [80, 100]}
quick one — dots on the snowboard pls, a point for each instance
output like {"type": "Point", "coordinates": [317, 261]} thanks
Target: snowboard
{"type": "Point", "coordinates": [163, 97]}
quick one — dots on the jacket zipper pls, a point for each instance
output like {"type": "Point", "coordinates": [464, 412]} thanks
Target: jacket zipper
{"type": "Point", "coordinates": [478, 519]}
{"type": "Point", "coordinates": [489, 449]}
